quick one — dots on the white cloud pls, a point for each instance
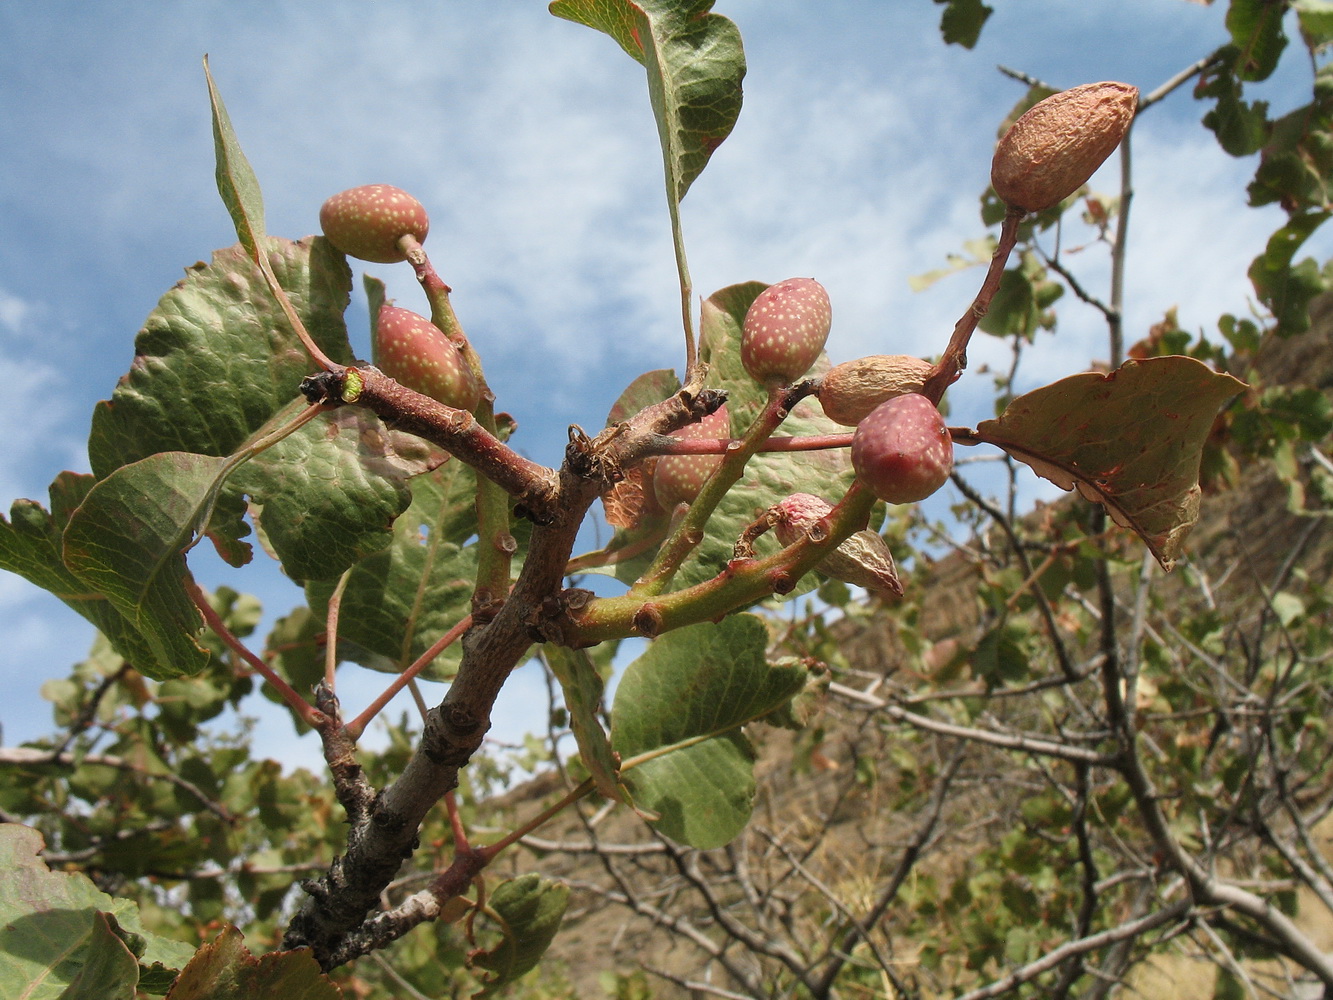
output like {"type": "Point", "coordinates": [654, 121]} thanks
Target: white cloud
{"type": "Point", "coordinates": [14, 312]}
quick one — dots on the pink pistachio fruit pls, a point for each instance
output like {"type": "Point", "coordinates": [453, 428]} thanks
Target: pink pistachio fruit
{"type": "Point", "coordinates": [412, 350]}
{"type": "Point", "coordinates": [863, 560]}
{"type": "Point", "coordinates": [678, 478]}
{"type": "Point", "coordinates": [784, 330]}
{"type": "Point", "coordinates": [902, 451]}
{"type": "Point", "coordinates": [368, 222]}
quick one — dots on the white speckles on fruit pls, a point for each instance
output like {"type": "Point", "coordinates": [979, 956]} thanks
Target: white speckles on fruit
{"type": "Point", "coordinates": [902, 451]}
{"type": "Point", "coordinates": [785, 329]}
{"type": "Point", "coordinates": [678, 478]}
{"type": "Point", "coordinates": [412, 350]}
{"type": "Point", "coordinates": [367, 222]}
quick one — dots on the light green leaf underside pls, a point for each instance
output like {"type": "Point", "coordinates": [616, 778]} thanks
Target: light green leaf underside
{"type": "Point", "coordinates": [695, 64]}
{"type": "Point", "coordinates": [582, 687]}
{"type": "Point", "coordinates": [236, 180]}
{"type": "Point", "coordinates": [61, 938]}
{"type": "Point", "coordinates": [677, 716]}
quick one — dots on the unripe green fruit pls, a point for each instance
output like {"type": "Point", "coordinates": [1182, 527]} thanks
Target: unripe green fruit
{"type": "Point", "coordinates": [849, 391]}
{"type": "Point", "coordinates": [367, 222]}
{"type": "Point", "coordinates": [678, 478]}
{"type": "Point", "coordinates": [1058, 143]}
{"type": "Point", "coordinates": [784, 330]}
{"type": "Point", "coordinates": [412, 350]}
{"type": "Point", "coordinates": [902, 451]}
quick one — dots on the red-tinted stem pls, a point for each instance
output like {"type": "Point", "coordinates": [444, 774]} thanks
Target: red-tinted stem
{"type": "Point", "coordinates": [721, 446]}
{"type": "Point", "coordinates": [491, 850]}
{"type": "Point", "coordinates": [954, 359]}
{"type": "Point", "coordinates": [310, 715]}
{"type": "Point", "coordinates": [358, 725]}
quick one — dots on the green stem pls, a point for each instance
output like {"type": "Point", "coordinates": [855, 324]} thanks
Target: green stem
{"type": "Point", "coordinates": [686, 286]}
{"type": "Point", "coordinates": [495, 553]}
{"type": "Point", "coordinates": [740, 584]}
{"type": "Point", "coordinates": [690, 532]}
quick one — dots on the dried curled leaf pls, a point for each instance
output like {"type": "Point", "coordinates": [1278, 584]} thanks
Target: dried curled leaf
{"type": "Point", "coordinates": [1130, 440]}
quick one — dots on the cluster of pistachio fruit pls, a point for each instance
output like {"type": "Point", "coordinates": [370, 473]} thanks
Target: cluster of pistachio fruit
{"type": "Point", "coordinates": [901, 449]}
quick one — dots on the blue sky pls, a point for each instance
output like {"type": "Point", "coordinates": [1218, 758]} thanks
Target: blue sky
{"type": "Point", "coordinates": [858, 159]}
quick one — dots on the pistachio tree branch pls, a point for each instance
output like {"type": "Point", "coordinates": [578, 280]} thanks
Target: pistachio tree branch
{"type": "Point", "coordinates": [19, 757]}
{"type": "Point", "coordinates": [741, 583]}
{"type": "Point", "coordinates": [456, 431]}
{"type": "Point", "coordinates": [333, 920]}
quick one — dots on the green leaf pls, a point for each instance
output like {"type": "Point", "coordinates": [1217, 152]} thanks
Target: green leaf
{"type": "Point", "coordinates": [1316, 21]}
{"type": "Point", "coordinates": [1286, 289]}
{"type": "Point", "coordinates": [1130, 440]}
{"type": "Point", "coordinates": [128, 540]}
{"type": "Point", "coordinates": [646, 390]}
{"type": "Point", "coordinates": [1227, 987]}
{"type": "Point", "coordinates": [1288, 607]}
{"type": "Point", "coordinates": [225, 970]}
{"type": "Point", "coordinates": [1298, 155]}
{"type": "Point", "coordinates": [30, 545]}
{"type": "Point", "coordinates": [677, 716]}
{"type": "Point", "coordinates": [237, 182]}
{"type": "Point", "coordinates": [61, 937]}
{"type": "Point", "coordinates": [400, 600]}
{"type": "Point", "coordinates": [1256, 32]}
{"type": "Point", "coordinates": [768, 477]}
{"type": "Point", "coordinates": [1241, 127]}
{"type": "Point", "coordinates": [216, 364]}
{"type": "Point", "coordinates": [695, 64]}
{"type": "Point", "coordinates": [375, 299]}
{"type": "Point", "coordinates": [582, 686]}
{"type": "Point", "coordinates": [109, 970]}
{"type": "Point", "coordinates": [216, 360]}
{"type": "Point", "coordinates": [327, 495]}
{"type": "Point", "coordinates": [529, 909]}
{"type": "Point", "coordinates": [962, 20]}
{"type": "Point", "coordinates": [1021, 306]}
{"type": "Point", "coordinates": [977, 253]}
